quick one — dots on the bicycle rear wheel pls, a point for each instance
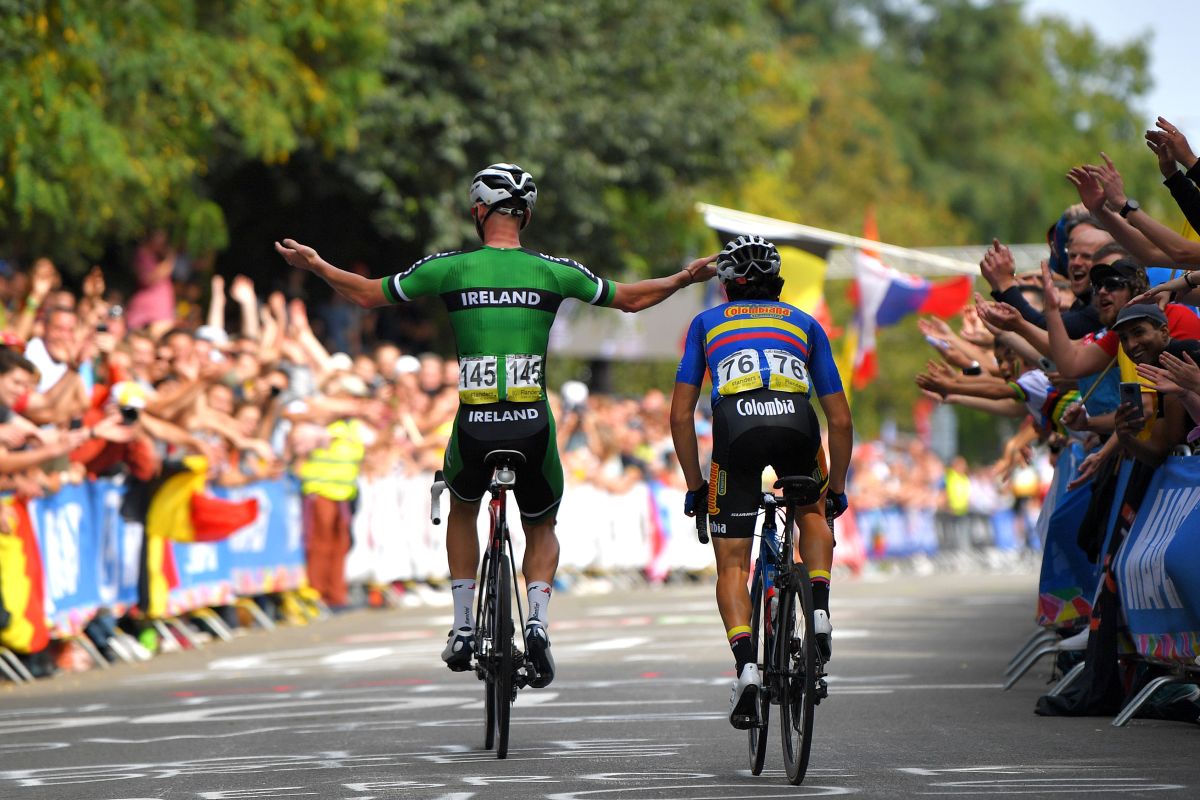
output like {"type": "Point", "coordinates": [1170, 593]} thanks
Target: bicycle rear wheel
{"type": "Point", "coordinates": [504, 688]}
{"type": "Point", "coordinates": [760, 643]}
{"type": "Point", "coordinates": [796, 662]}
{"type": "Point", "coordinates": [485, 649]}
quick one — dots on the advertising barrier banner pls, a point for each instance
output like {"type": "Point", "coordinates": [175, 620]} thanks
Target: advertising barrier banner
{"type": "Point", "coordinates": [1157, 578]}
{"type": "Point", "coordinates": [90, 555]}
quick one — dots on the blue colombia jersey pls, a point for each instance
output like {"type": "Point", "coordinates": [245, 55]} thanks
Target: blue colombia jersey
{"type": "Point", "coordinates": [757, 344]}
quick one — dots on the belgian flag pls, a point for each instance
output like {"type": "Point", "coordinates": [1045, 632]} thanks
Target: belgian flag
{"type": "Point", "coordinates": [181, 510]}
{"type": "Point", "coordinates": [22, 581]}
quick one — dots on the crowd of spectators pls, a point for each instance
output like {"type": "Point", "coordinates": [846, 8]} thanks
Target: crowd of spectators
{"type": "Point", "coordinates": [1101, 347]}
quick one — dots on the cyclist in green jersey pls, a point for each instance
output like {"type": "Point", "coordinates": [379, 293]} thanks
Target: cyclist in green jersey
{"type": "Point", "coordinates": [502, 299]}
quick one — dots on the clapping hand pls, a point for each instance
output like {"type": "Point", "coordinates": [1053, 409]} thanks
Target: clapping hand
{"type": "Point", "coordinates": [998, 267]}
{"type": "Point", "coordinates": [1169, 143]}
{"type": "Point", "coordinates": [1089, 188]}
{"type": "Point", "coordinates": [1110, 178]}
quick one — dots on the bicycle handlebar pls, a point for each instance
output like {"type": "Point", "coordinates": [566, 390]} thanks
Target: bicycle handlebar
{"type": "Point", "coordinates": [435, 497]}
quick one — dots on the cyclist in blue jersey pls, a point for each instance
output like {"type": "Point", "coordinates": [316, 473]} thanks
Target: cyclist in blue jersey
{"type": "Point", "coordinates": [766, 359]}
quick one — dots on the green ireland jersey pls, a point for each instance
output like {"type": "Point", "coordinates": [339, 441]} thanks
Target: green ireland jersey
{"type": "Point", "coordinates": [502, 302]}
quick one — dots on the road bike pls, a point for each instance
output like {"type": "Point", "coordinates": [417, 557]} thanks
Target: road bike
{"type": "Point", "coordinates": [499, 663]}
{"type": "Point", "coordinates": [781, 630]}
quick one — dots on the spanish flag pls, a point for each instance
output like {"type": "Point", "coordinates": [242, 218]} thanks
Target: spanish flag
{"type": "Point", "coordinates": [22, 581]}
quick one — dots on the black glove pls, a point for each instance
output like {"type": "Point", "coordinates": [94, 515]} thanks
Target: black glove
{"type": "Point", "coordinates": [696, 501]}
{"type": "Point", "coordinates": [836, 504]}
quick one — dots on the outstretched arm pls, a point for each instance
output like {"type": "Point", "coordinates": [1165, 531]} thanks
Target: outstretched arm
{"type": "Point", "coordinates": [365, 292]}
{"type": "Point", "coordinates": [652, 291]}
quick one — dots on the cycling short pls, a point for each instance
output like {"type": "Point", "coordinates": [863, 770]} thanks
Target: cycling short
{"type": "Point", "coordinates": [525, 427]}
{"type": "Point", "coordinates": [751, 431]}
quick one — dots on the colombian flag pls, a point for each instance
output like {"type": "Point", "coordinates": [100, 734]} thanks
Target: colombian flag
{"type": "Point", "coordinates": [21, 580]}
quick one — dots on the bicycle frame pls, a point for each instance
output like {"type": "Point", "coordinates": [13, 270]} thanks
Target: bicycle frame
{"type": "Point", "coordinates": [772, 545]}
{"type": "Point", "coordinates": [499, 547]}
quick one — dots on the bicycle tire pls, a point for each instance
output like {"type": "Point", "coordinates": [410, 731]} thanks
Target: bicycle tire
{"type": "Point", "coordinates": [485, 650]}
{"type": "Point", "coordinates": [504, 687]}
{"type": "Point", "coordinates": [761, 646]}
{"type": "Point", "coordinates": [796, 662]}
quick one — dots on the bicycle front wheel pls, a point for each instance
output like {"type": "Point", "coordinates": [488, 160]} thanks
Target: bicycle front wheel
{"type": "Point", "coordinates": [505, 690]}
{"type": "Point", "coordinates": [796, 663]}
{"type": "Point", "coordinates": [760, 643]}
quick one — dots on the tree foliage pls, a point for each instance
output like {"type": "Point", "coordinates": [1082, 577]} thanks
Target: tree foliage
{"type": "Point", "coordinates": [116, 113]}
{"type": "Point", "coordinates": [356, 124]}
{"type": "Point", "coordinates": [617, 108]}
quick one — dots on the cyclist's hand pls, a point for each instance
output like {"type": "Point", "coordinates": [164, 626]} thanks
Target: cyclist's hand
{"type": "Point", "coordinates": [836, 503]}
{"type": "Point", "coordinates": [694, 501]}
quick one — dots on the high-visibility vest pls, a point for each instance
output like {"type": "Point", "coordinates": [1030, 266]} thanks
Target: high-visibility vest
{"type": "Point", "coordinates": [332, 472]}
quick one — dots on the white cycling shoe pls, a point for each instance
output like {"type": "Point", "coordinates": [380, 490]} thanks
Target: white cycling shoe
{"type": "Point", "coordinates": [823, 634]}
{"type": "Point", "coordinates": [743, 698]}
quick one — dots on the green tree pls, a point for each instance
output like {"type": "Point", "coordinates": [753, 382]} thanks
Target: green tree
{"type": "Point", "coordinates": [114, 115]}
{"type": "Point", "coordinates": [618, 108]}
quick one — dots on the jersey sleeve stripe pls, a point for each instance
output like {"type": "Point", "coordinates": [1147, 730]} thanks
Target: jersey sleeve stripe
{"type": "Point", "coordinates": [604, 293]}
{"type": "Point", "coordinates": [743, 324]}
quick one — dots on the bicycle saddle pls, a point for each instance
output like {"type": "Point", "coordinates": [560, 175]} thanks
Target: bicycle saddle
{"type": "Point", "coordinates": [799, 490]}
{"type": "Point", "coordinates": [510, 458]}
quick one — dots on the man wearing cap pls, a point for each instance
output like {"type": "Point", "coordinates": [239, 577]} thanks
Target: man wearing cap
{"type": "Point", "coordinates": [1148, 434]}
{"type": "Point", "coordinates": [1115, 284]}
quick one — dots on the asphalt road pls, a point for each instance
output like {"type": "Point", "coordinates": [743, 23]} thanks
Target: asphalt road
{"type": "Point", "coordinates": [358, 707]}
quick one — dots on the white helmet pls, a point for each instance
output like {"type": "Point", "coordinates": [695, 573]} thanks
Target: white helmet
{"type": "Point", "coordinates": [498, 182]}
{"type": "Point", "coordinates": [747, 258]}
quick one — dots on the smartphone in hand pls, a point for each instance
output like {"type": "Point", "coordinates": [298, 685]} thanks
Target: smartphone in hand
{"type": "Point", "coordinates": [1131, 393]}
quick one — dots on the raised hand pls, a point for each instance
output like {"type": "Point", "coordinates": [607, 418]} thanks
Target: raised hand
{"type": "Point", "coordinates": [973, 329]}
{"type": "Point", "coordinates": [1184, 372]}
{"type": "Point", "coordinates": [998, 267]}
{"type": "Point", "coordinates": [298, 255]}
{"type": "Point", "coordinates": [933, 326]}
{"type": "Point", "coordinates": [242, 290]}
{"type": "Point", "coordinates": [1000, 315]}
{"type": "Point", "coordinates": [1110, 178]}
{"type": "Point", "coordinates": [1159, 378]}
{"type": "Point", "coordinates": [1175, 142]}
{"type": "Point", "coordinates": [1050, 296]}
{"type": "Point", "coordinates": [1166, 162]}
{"type": "Point", "coordinates": [1089, 188]}
{"type": "Point", "coordinates": [218, 285]}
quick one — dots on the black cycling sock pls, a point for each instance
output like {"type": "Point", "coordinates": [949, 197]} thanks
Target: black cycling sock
{"type": "Point", "coordinates": [820, 592]}
{"type": "Point", "coordinates": [739, 643]}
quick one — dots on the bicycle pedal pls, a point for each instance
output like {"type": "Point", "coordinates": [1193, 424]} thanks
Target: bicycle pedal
{"type": "Point", "coordinates": [822, 689]}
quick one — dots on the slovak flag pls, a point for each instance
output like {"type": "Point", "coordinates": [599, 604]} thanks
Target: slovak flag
{"type": "Point", "coordinates": [883, 296]}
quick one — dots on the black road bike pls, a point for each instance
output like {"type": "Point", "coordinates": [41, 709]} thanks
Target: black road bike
{"type": "Point", "coordinates": [499, 663]}
{"type": "Point", "coordinates": [781, 630]}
